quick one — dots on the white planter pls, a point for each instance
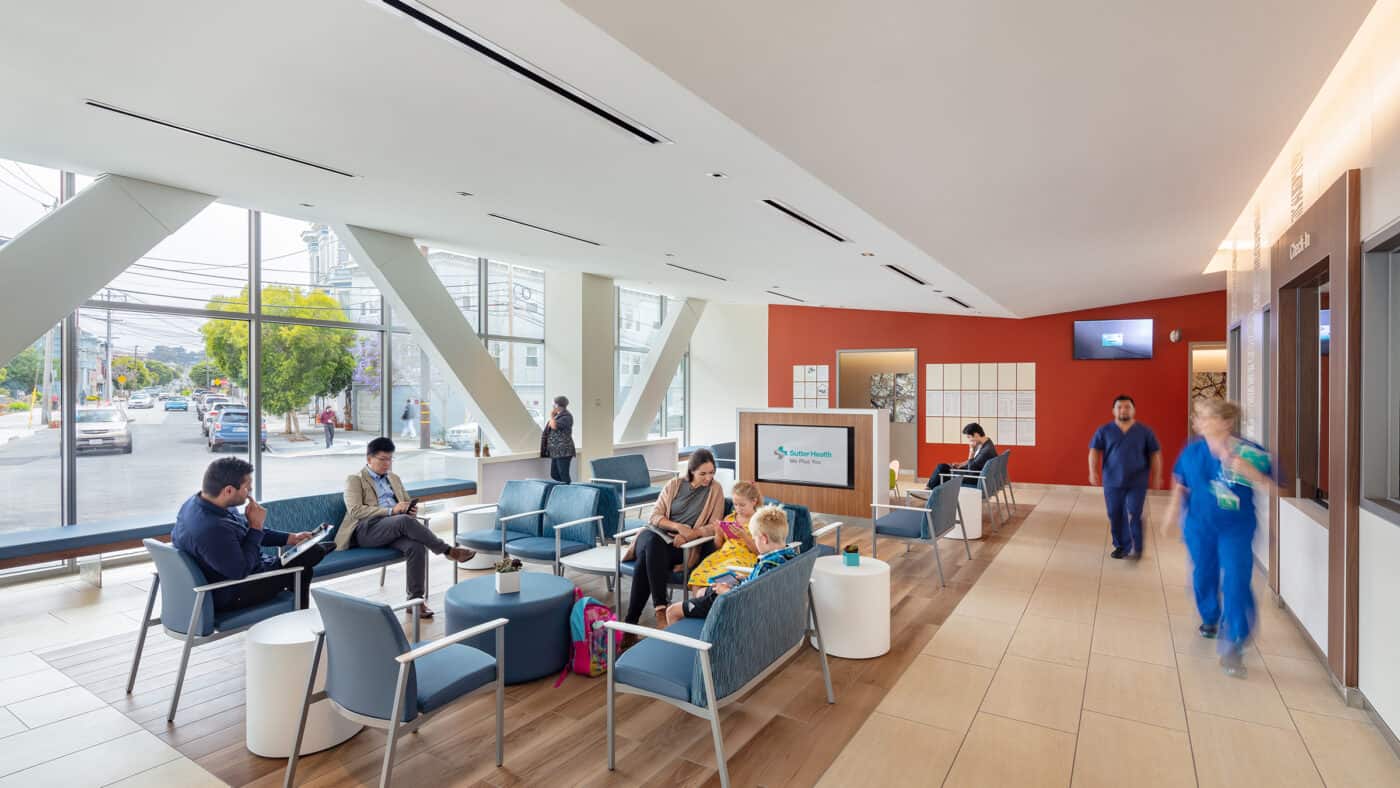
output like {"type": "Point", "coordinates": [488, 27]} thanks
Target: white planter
{"type": "Point", "coordinates": [508, 582]}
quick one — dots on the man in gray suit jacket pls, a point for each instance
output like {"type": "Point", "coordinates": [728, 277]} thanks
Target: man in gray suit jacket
{"type": "Point", "coordinates": [378, 513]}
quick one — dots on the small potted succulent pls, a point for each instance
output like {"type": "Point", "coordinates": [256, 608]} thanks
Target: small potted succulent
{"type": "Point", "coordinates": [852, 555]}
{"type": "Point", "coordinates": [508, 576]}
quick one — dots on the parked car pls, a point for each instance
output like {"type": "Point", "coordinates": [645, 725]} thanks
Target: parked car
{"type": "Point", "coordinates": [140, 400]}
{"type": "Point", "coordinates": [201, 408]}
{"type": "Point", "coordinates": [103, 428]}
{"type": "Point", "coordinates": [163, 396]}
{"type": "Point", "coordinates": [212, 412]}
{"type": "Point", "coordinates": [177, 402]}
{"type": "Point", "coordinates": [464, 436]}
{"type": "Point", "coordinates": [230, 428]}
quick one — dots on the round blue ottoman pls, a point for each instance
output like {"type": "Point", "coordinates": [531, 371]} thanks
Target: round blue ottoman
{"type": "Point", "coordinates": [537, 637]}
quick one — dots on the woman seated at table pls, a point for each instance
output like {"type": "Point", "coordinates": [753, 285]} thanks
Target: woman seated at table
{"type": "Point", "coordinates": [733, 543]}
{"type": "Point", "coordinates": [685, 508]}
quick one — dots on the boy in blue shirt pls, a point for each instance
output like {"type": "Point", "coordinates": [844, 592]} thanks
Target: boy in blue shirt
{"type": "Point", "coordinates": [1128, 451]}
{"type": "Point", "coordinates": [769, 528]}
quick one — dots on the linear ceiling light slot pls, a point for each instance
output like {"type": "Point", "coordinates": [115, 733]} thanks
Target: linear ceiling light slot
{"type": "Point", "coordinates": [795, 214]}
{"type": "Point", "coordinates": [210, 136]}
{"type": "Point", "coordinates": [447, 27]}
{"type": "Point", "coordinates": [958, 301]}
{"type": "Point", "coordinates": [916, 280]}
{"type": "Point", "coordinates": [543, 229]}
{"type": "Point", "coordinates": [785, 295]}
{"type": "Point", "coordinates": [701, 273]}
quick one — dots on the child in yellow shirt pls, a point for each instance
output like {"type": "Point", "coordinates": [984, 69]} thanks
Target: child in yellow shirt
{"type": "Point", "coordinates": [734, 543]}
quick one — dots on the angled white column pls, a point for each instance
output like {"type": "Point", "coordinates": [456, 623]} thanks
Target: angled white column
{"type": "Point", "coordinates": [644, 400]}
{"type": "Point", "coordinates": [403, 275]}
{"type": "Point", "coordinates": [578, 352]}
{"type": "Point", "coordinates": [62, 259]}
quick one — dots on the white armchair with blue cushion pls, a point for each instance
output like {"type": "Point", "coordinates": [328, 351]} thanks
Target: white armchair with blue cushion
{"type": "Point", "coordinates": [518, 515]}
{"type": "Point", "coordinates": [375, 677]}
{"type": "Point", "coordinates": [187, 608]}
{"type": "Point", "coordinates": [940, 514]}
{"type": "Point", "coordinates": [630, 474]}
{"type": "Point", "coordinates": [699, 665]}
{"type": "Point", "coordinates": [572, 521]}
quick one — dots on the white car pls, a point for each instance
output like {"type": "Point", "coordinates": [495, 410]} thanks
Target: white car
{"type": "Point", "coordinates": [140, 400]}
{"type": "Point", "coordinates": [464, 436]}
{"type": "Point", "coordinates": [103, 428]}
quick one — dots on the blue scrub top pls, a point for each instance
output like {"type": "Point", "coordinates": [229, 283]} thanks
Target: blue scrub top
{"type": "Point", "coordinates": [1215, 496]}
{"type": "Point", "coordinates": [1127, 456]}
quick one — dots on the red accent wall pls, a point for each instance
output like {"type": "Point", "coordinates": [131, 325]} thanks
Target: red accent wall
{"type": "Point", "coordinates": [1072, 397]}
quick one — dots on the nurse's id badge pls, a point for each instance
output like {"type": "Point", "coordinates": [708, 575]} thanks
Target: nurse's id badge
{"type": "Point", "coordinates": [1225, 498]}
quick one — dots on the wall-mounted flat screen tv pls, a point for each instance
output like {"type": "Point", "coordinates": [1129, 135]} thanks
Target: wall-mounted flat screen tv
{"type": "Point", "coordinates": [1324, 330]}
{"type": "Point", "coordinates": [1108, 340]}
{"type": "Point", "coordinates": [811, 456]}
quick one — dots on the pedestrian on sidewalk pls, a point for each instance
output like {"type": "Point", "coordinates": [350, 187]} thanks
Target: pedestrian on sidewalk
{"type": "Point", "coordinates": [327, 419]}
{"type": "Point", "coordinates": [1219, 474]}
{"type": "Point", "coordinates": [1128, 452]}
{"type": "Point", "coordinates": [408, 430]}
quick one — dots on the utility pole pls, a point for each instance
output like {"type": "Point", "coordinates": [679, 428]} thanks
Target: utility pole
{"type": "Point", "coordinates": [48, 377]}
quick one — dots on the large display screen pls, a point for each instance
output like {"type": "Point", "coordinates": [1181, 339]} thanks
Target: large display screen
{"type": "Point", "coordinates": [812, 456]}
{"type": "Point", "coordinates": [1112, 339]}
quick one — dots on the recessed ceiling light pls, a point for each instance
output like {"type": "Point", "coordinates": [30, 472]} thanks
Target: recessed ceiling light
{"type": "Point", "coordinates": [867, 254]}
{"type": "Point", "coordinates": [718, 175]}
{"type": "Point", "coordinates": [307, 205]}
{"type": "Point", "coordinates": [464, 194]}
{"type": "Point", "coordinates": [670, 254]}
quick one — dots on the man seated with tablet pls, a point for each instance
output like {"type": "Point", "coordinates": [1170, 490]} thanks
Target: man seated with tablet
{"type": "Point", "coordinates": [227, 544]}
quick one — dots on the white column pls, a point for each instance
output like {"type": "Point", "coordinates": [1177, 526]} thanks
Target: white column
{"type": "Point", "coordinates": [644, 400]}
{"type": "Point", "coordinates": [61, 260]}
{"type": "Point", "coordinates": [578, 348]}
{"type": "Point", "coordinates": [401, 272]}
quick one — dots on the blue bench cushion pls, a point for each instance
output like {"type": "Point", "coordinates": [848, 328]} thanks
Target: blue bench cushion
{"type": "Point", "coordinates": [341, 561]}
{"type": "Point", "coordinates": [444, 676]}
{"type": "Point", "coordinates": [22, 544]}
{"type": "Point", "coordinates": [429, 487]}
{"type": "Point", "coordinates": [903, 522]}
{"type": "Point", "coordinates": [487, 541]}
{"type": "Point", "coordinates": [247, 616]}
{"type": "Point", "coordinates": [664, 668]}
{"type": "Point", "coordinates": [541, 548]}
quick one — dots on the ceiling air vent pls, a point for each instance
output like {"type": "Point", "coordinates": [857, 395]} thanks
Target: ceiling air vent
{"type": "Point", "coordinates": [785, 295]}
{"type": "Point", "coordinates": [448, 28]}
{"type": "Point", "coordinates": [916, 280]}
{"type": "Point", "coordinates": [797, 215]}
{"type": "Point", "coordinates": [700, 273]}
{"type": "Point", "coordinates": [215, 137]}
{"type": "Point", "coordinates": [543, 229]}
{"type": "Point", "coordinates": [958, 301]}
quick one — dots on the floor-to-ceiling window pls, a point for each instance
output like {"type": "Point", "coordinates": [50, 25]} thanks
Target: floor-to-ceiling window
{"type": "Point", "coordinates": [640, 316]}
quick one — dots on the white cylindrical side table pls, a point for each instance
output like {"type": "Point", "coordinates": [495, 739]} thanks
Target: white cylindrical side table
{"type": "Point", "coordinates": [482, 520]}
{"type": "Point", "coordinates": [853, 606]}
{"type": "Point", "coordinates": [970, 501]}
{"type": "Point", "coordinates": [278, 657]}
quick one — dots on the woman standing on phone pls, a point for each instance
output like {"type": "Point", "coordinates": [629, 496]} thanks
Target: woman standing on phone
{"type": "Point", "coordinates": [684, 503]}
{"type": "Point", "coordinates": [557, 440]}
{"type": "Point", "coordinates": [1218, 475]}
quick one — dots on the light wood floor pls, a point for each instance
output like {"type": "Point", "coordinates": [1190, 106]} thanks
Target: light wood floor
{"type": "Point", "coordinates": [990, 681]}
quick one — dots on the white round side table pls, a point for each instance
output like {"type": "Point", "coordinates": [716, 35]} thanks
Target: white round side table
{"type": "Point", "coordinates": [278, 658]}
{"type": "Point", "coordinates": [853, 606]}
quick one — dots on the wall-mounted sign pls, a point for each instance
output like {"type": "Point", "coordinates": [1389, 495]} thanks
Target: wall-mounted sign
{"type": "Point", "coordinates": [1297, 247]}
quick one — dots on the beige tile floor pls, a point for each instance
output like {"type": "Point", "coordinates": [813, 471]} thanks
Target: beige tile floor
{"type": "Point", "coordinates": [1064, 667]}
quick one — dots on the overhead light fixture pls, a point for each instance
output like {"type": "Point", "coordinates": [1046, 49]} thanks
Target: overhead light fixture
{"type": "Point", "coordinates": [958, 301]}
{"type": "Point", "coordinates": [306, 205]}
{"type": "Point", "coordinates": [701, 273]}
{"type": "Point", "coordinates": [449, 28]}
{"type": "Point", "coordinates": [798, 216]}
{"type": "Point", "coordinates": [916, 280]}
{"type": "Point", "coordinates": [785, 295]}
{"type": "Point", "coordinates": [718, 175]}
{"type": "Point", "coordinates": [464, 194]}
{"type": "Point", "coordinates": [670, 254]}
{"type": "Point", "coordinates": [211, 136]}
{"type": "Point", "coordinates": [543, 229]}
{"type": "Point", "coordinates": [867, 254]}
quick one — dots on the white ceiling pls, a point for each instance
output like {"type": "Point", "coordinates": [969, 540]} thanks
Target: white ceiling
{"type": "Point", "coordinates": [1042, 151]}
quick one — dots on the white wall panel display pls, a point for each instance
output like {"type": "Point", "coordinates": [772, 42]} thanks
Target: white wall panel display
{"type": "Point", "coordinates": [811, 386]}
{"type": "Point", "coordinates": [1000, 396]}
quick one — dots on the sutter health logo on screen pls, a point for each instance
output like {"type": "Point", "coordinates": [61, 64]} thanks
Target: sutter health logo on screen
{"type": "Point", "coordinates": [801, 457]}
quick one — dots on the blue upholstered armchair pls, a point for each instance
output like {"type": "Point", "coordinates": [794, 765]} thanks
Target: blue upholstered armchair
{"type": "Point", "coordinates": [725, 455]}
{"type": "Point", "coordinates": [629, 472]}
{"type": "Point", "coordinates": [187, 609]}
{"type": "Point", "coordinates": [518, 516]}
{"type": "Point", "coordinates": [699, 665]}
{"type": "Point", "coordinates": [939, 515]}
{"type": "Point", "coordinates": [572, 522]}
{"type": "Point", "coordinates": [629, 568]}
{"type": "Point", "coordinates": [992, 481]}
{"type": "Point", "coordinates": [375, 677]}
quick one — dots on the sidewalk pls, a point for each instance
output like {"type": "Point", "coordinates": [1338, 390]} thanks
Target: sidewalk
{"type": "Point", "coordinates": [16, 425]}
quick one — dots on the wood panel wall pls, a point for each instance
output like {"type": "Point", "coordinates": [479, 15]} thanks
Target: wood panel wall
{"type": "Point", "coordinates": [827, 500]}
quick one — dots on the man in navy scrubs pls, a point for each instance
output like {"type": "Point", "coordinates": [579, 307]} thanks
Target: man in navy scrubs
{"type": "Point", "coordinates": [1128, 452]}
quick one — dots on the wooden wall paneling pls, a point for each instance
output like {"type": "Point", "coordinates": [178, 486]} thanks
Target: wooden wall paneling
{"type": "Point", "coordinates": [826, 500]}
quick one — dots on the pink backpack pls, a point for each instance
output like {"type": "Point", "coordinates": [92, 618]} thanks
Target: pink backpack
{"type": "Point", "coordinates": [589, 656]}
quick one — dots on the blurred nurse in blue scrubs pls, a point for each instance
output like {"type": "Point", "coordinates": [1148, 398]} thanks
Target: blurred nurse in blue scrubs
{"type": "Point", "coordinates": [1218, 476]}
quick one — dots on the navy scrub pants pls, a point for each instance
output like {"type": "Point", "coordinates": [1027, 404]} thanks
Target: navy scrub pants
{"type": "Point", "coordinates": [1222, 562]}
{"type": "Point", "coordinates": [1125, 516]}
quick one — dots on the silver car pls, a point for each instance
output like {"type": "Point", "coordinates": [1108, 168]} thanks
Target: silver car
{"type": "Point", "coordinates": [102, 429]}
